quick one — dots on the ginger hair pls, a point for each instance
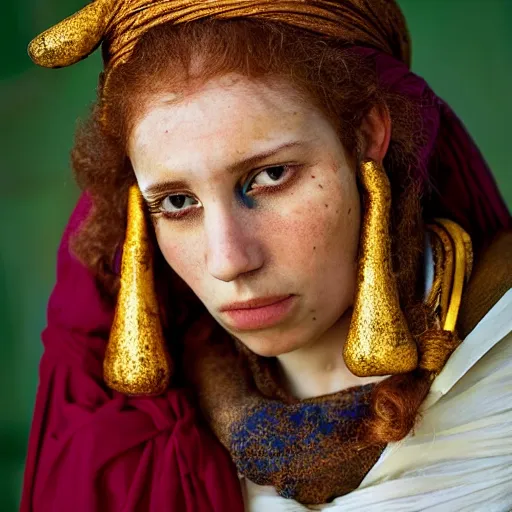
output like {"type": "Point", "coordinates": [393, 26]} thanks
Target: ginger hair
{"type": "Point", "coordinates": [341, 82]}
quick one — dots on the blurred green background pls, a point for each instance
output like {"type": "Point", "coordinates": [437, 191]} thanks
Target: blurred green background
{"type": "Point", "coordinates": [462, 47]}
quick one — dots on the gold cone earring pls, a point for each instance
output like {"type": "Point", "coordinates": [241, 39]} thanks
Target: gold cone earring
{"type": "Point", "coordinates": [136, 362]}
{"type": "Point", "coordinates": [379, 341]}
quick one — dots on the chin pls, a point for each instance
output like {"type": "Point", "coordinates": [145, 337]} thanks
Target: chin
{"type": "Point", "coordinates": [269, 348]}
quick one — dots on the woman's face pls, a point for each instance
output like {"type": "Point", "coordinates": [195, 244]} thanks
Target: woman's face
{"type": "Point", "coordinates": [253, 199]}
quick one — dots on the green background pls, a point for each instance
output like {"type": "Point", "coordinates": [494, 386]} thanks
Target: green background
{"type": "Point", "coordinates": [462, 47]}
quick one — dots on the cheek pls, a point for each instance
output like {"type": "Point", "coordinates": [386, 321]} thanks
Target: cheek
{"type": "Point", "coordinates": [330, 252]}
{"type": "Point", "coordinates": [322, 227]}
{"type": "Point", "coordinates": [184, 258]}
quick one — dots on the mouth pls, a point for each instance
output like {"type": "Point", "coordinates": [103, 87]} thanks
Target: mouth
{"type": "Point", "coordinates": [258, 313]}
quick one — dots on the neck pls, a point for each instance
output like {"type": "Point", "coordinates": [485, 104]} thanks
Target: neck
{"type": "Point", "coordinates": [318, 368]}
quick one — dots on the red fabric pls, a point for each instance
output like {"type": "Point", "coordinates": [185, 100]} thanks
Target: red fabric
{"type": "Point", "coordinates": [92, 449]}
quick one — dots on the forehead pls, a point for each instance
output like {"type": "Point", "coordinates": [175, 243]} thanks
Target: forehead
{"type": "Point", "coordinates": [222, 121]}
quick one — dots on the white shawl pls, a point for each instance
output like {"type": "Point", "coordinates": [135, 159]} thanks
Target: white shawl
{"type": "Point", "coordinates": [460, 456]}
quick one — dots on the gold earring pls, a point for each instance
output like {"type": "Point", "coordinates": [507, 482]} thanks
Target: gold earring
{"type": "Point", "coordinates": [379, 341]}
{"type": "Point", "coordinates": [136, 362]}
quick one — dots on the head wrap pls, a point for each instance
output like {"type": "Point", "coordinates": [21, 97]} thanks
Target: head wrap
{"type": "Point", "coordinates": [119, 24]}
{"type": "Point", "coordinates": [457, 183]}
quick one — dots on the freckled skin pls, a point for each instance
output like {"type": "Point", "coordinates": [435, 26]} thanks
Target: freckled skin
{"type": "Point", "coordinates": [293, 241]}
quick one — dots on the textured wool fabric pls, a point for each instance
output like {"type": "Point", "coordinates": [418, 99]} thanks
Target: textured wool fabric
{"type": "Point", "coordinates": [308, 450]}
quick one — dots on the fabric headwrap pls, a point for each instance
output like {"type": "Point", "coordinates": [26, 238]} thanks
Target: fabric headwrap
{"type": "Point", "coordinates": [457, 183]}
{"type": "Point", "coordinates": [119, 24]}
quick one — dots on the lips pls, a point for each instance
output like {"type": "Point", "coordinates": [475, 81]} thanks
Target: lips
{"type": "Point", "coordinates": [258, 313]}
{"type": "Point", "coordinates": [255, 303]}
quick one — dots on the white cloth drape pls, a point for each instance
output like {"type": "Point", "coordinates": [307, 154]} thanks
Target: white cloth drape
{"type": "Point", "coordinates": [460, 456]}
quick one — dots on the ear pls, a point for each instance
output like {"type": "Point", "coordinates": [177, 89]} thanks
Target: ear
{"type": "Point", "coordinates": [376, 131]}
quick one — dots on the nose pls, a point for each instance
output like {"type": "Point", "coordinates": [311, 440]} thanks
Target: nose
{"type": "Point", "coordinates": [232, 247]}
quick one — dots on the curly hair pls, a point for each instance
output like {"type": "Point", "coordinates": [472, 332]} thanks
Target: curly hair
{"type": "Point", "coordinates": [341, 82]}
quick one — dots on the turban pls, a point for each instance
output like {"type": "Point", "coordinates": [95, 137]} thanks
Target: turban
{"type": "Point", "coordinates": [119, 24]}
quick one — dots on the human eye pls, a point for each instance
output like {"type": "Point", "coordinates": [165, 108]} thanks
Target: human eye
{"type": "Point", "coordinates": [174, 205]}
{"type": "Point", "coordinates": [270, 178]}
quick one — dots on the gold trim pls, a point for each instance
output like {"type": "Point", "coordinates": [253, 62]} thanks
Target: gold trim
{"type": "Point", "coordinates": [459, 274]}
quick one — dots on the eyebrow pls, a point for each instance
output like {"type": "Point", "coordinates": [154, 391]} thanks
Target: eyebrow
{"type": "Point", "coordinates": [251, 161]}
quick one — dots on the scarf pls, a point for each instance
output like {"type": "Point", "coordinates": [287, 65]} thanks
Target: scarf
{"type": "Point", "coordinates": [308, 450]}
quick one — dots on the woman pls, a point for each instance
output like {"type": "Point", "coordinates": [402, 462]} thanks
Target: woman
{"type": "Point", "coordinates": [325, 235]}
